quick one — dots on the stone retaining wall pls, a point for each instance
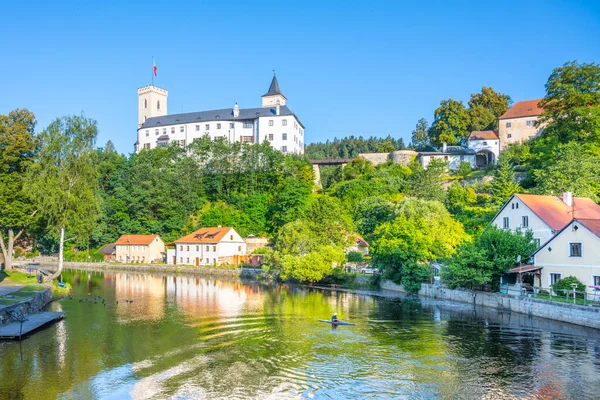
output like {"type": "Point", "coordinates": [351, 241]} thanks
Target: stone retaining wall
{"type": "Point", "coordinates": [26, 307]}
{"type": "Point", "coordinates": [575, 314]}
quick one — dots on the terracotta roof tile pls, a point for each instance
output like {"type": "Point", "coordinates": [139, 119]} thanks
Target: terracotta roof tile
{"type": "Point", "coordinates": [521, 109]}
{"type": "Point", "coordinates": [524, 268]}
{"type": "Point", "coordinates": [136, 239]}
{"type": "Point", "coordinates": [556, 213]}
{"type": "Point", "coordinates": [483, 135]}
{"type": "Point", "coordinates": [205, 235]}
{"type": "Point", "coordinates": [592, 224]}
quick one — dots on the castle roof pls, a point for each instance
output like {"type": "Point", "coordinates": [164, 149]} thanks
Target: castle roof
{"type": "Point", "coordinates": [528, 108]}
{"type": "Point", "coordinates": [274, 88]}
{"type": "Point", "coordinates": [483, 135]}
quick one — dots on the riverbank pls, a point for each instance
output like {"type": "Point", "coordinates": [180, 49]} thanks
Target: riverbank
{"type": "Point", "coordinates": [105, 267]}
{"type": "Point", "coordinates": [24, 301]}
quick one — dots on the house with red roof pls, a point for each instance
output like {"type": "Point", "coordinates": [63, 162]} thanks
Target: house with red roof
{"type": "Point", "coordinates": [486, 145]}
{"type": "Point", "coordinates": [520, 123]}
{"type": "Point", "coordinates": [140, 249]}
{"type": "Point", "coordinates": [208, 246]}
{"type": "Point", "coordinates": [573, 251]}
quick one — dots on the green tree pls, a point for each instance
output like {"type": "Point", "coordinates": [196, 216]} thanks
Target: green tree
{"type": "Point", "coordinates": [575, 168]}
{"type": "Point", "coordinates": [486, 107]}
{"type": "Point", "coordinates": [427, 183]}
{"type": "Point", "coordinates": [420, 136]}
{"type": "Point", "coordinates": [18, 148]}
{"type": "Point", "coordinates": [464, 170]}
{"type": "Point", "coordinates": [313, 266]}
{"type": "Point", "coordinates": [64, 180]}
{"type": "Point", "coordinates": [370, 213]}
{"type": "Point", "coordinates": [451, 124]}
{"type": "Point", "coordinates": [503, 184]}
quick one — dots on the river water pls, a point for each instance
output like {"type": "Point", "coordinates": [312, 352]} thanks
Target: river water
{"type": "Point", "coordinates": [158, 336]}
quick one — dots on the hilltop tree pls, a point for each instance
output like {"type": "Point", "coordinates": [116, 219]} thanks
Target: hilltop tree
{"type": "Point", "coordinates": [18, 148]}
{"type": "Point", "coordinates": [64, 180]}
{"type": "Point", "coordinates": [451, 124]}
{"type": "Point", "coordinates": [486, 107]}
{"type": "Point", "coordinates": [420, 136]}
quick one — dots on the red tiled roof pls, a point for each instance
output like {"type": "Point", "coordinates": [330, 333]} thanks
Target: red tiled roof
{"type": "Point", "coordinates": [205, 235]}
{"type": "Point", "coordinates": [361, 242]}
{"type": "Point", "coordinates": [524, 268]}
{"type": "Point", "coordinates": [520, 109]}
{"type": "Point", "coordinates": [556, 213]}
{"type": "Point", "coordinates": [483, 135]}
{"type": "Point", "coordinates": [136, 239]}
{"type": "Point", "coordinates": [592, 224]}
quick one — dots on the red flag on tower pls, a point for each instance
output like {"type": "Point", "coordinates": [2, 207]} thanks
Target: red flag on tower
{"type": "Point", "coordinates": [154, 66]}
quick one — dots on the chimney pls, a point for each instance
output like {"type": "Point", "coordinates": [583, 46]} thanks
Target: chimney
{"type": "Point", "coordinates": [444, 147]}
{"type": "Point", "coordinates": [567, 198]}
{"type": "Point", "coordinates": [236, 111]}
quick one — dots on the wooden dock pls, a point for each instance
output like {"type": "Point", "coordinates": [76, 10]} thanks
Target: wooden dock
{"type": "Point", "coordinates": [33, 322]}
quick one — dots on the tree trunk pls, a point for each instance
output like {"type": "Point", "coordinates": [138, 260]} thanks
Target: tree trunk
{"type": "Point", "coordinates": [60, 254]}
{"type": "Point", "coordinates": [7, 248]}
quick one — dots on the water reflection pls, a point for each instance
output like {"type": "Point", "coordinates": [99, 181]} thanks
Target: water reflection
{"type": "Point", "coordinates": [148, 336]}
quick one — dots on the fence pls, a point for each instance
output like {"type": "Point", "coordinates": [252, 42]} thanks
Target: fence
{"type": "Point", "coordinates": [561, 296]}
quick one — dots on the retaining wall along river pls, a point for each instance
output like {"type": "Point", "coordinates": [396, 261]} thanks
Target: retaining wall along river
{"type": "Point", "coordinates": [32, 305]}
{"type": "Point", "coordinates": [580, 315]}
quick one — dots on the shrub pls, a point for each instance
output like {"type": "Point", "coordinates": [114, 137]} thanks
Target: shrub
{"type": "Point", "coordinates": [355, 256]}
{"type": "Point", "coordinates": [565, 285]}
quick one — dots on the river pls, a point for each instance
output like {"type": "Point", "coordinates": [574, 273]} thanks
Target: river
{"type": "Point", "coordinates": [157, 336]}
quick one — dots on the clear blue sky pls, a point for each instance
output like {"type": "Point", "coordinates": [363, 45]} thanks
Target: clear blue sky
{"type": "Point", "coordinates": [349, 68]}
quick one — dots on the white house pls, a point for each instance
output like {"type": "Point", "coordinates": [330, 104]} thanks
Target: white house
{"type": "Point", "coordinates": [520, 123]}
{"type": "Point", "coordinates": [453, 155]}
{"type": "Point", "coordinates": [486, 145]}
{"type": "Point", "coordinates": [573, 251]}
{"type": "Point", "coordinates": [360, 245]}
{"type": "Point", "coordinates": [273, 122]}
{"type": "Point", "coordinates": [544, 215]}
{"type": "Point", "coordinates": [208, 246]}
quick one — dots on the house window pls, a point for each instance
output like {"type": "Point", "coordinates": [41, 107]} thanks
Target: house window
{"type": "Point", "coordinates": [284, 149]}
{"type": "Point", "coordinates": [197, 248]}
{"type": "Point", "coordinates": [187, 260]}
{"type": "Point", "coordinates": [270, 122]}
{"type": "Point", "coordinates": [218, 126]}
{"type": "Point", "coordinates": [505, 223]}
{"type": "Point", "coordinates": [214, 248]}
{"type": "Point", "coordinates": [188, 248]}
{"type": "Point", "coordinates": [525, 222]}
{"type": "Point", "coordinates": [181, 259]}
{"type": "Point", "coordinates": [596, 280]}
{"type": "Point", "coordinates": [509, 135]}
{"type": "Point", "coordinates": [270, 137]}
{"type": "Point", "coordinates": [180, 248]}
{"type": "Point", "coordinates": [207, 248]}
{"type": "Point", "coordinates": [513, 206]}
{"type": "Point", "coordinates": [537, 242]}
{"type": "Point", "coordinates": [485, 143]}
{"type": "Point", "coordinates": [145, 103]}
{"type": "Point", "coordinates": [239, 248]}
{"type": "Point", "coordinates": [531, 123]}
{"type": "Point", "coordinates": [207, 127]}
{"type": "Point", "coordinates": [284, 136]}
{"type": "Point", "coordinates": [156, 131]}
{"type": "Point", "coordinates": [554, 278]}
{"type": "Point", "coordinates": [172, 129]}
{"type": "Point", "coordinates": [575, 250]}
{"type": "Point", "coordinates": [230, 237]}
{"type": "Point", "coordinates": [284, 122]}
{"type": "Point", "coordinates": [516, 205]}
{"type": "Point", "coordinates": [247, 124]}
{"type": "Point", "coordinates": [197, 127]}
{"type": "Point", "coordinates": [508, 125]}
{"type": "Point", "coordinates": [181, 128]}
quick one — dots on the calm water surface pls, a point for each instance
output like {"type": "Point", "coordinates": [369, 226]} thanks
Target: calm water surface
{"type": "Point", "coordinates": [185, 337]}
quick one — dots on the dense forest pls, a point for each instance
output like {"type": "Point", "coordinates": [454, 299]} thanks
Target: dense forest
{"type": "Point", "coordinates": [58, 187]}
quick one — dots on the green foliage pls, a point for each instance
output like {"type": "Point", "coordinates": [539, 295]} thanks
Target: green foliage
{"type": "Point", "coordinates": [355, 256]}
{"type": "Point", "coordinates": [428, 183]}
{"type": "Point", "coordinates": [451, 124]}
{"type": "Point", "coordinates": [490, 255]}
{"type": "Point", "coordinates": [313, 266]}
{"type": "Point", "coordinates": [503, 184]}
{"type": "Point", "coordinates": [485, 108]}
{"type": "Point", "coordinates": [352, 146]}
{"type": "Point", "coordinates": [463, 170]}
{"type": "Point", "coordinates": [370, 213]}
{"type": "Point", "coordinates": [420, 136]}
{"type": "Point", "coordinates": [421, 231]}
{"type": "Point", "coordinates": [565, 285]}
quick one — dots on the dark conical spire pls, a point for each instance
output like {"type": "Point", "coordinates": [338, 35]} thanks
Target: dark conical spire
{"type": "Point", "coordinates": [274, 88]}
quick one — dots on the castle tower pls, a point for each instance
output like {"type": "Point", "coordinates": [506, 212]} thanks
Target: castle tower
{"type": "Point", "coordinates": [152, 102]}
{"type": "Point", "coordinates": [273, 97]}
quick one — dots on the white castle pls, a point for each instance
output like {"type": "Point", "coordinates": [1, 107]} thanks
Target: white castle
{"type": "Point", "coordinates": [273, 122]}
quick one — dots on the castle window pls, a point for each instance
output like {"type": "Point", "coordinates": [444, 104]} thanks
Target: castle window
{"type": "Point", "coordinates": [509, 135]}
{"type": "Point", "coordinates": [172, 129]}
{"type": "Point", "coordinates": [145, 103]}
{"type": "Point", "coordinates": [270, 122]}
{"type": "Point", "coordinates": [165, 131]}
{"type": "Point", "coordinates": [231, 125]}
{"type": "Point", "coordinates": [156, 131]}
{"type": "Point", "coordinates": [270, 137]}
{"type": "Point", "coordinates": [207, 127]}
{"type": "Point", "coordinates": [197, 127]}
{"type": "Point", "coordinates": [147, 132]}
{"type": "Point", "coordinates": [158, 105]}
{"type": "Point", "coordinates": [284, 136]}
{"type": "Point", "coordinates": [247, 124]}
{"type": "Point", "coordinates": [508, 124]}
{"type": "Point", "coordinates": [284, 149]}
{"type": "Point", "coordinates": [218, 126]}
{"type": "Point", "coordinates": [284, 122]}
{"type": "Point", "coordinates": [181, 129]}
